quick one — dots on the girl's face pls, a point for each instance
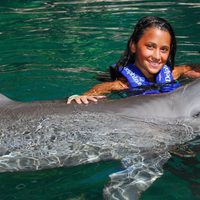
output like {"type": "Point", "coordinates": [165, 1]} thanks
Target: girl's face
{"type": "Point", "coordinates": [152, 51]}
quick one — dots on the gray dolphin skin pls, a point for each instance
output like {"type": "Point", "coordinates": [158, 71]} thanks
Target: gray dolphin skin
{"type": "Point", "coordinates": [138, 131]}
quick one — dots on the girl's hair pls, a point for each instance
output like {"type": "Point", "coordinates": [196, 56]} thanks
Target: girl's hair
{"type": "Point", "coordinates": [141, 26]}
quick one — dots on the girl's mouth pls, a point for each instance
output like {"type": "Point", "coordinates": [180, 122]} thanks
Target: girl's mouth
{"type": "Point", "coordinates": [154, 64]}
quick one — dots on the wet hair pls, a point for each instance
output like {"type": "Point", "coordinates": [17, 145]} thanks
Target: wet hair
{"type": "Point", "coordinates": [143, 24]}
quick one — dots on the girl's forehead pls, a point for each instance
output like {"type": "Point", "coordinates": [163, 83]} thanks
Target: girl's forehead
{"type": "Point", "coordinates": [156, 33]}
{"type": "Point", "coordinates": [153, 31]}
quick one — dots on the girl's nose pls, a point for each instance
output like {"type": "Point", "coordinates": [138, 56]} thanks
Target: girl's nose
{"type": "Point", "coordinates": [156, 54]}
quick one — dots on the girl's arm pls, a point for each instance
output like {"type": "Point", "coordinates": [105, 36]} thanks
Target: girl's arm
{"type": "Point", "coordinates": [107, 87]}
{"type": "Point", "coordinates": [98, 90]}
{"type": "Point", "coordinates": [192, 71]}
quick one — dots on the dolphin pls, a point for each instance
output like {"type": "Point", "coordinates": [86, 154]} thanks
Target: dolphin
{"type": "Point", "coordinates": [139, 131]}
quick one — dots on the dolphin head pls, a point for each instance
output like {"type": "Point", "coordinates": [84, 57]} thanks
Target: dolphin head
{"type": "Point", "coordinates": [189, 99]}
{"type": "Point", "coordinates": [181, 106]}
{"type": "Point", "coordinates": [188, 104]}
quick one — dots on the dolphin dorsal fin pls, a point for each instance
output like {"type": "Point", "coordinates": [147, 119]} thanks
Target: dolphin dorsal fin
{"type": "Point", "coordinates": [4, 99]}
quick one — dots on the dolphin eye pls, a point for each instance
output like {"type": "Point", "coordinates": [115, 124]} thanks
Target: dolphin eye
{"type": "Point", "coordinates": [196, 115]}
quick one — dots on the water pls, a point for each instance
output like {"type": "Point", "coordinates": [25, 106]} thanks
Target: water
{"type": "Point", "coordinates": [81, 182]}
{"type": "Point", "coordinates": [53, 49]}
{"type": "Point", "coordinates": [181, 178]}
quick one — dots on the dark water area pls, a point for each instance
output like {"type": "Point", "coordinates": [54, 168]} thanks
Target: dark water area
{"type": "Point", "coordinates": [79, 182]}
{"type": "Point", "coordinates": [53, 49]}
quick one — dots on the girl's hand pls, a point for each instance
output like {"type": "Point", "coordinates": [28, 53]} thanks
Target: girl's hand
{"type": "Point", "coordinates": [195, 73]}
{"type": "Point", "coordinates": [186, 70]}
{"type": "Point", "coordinates": [83, 99]}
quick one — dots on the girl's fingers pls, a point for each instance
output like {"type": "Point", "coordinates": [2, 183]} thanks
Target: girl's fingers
{"type": "Point", "coordinates": [193, 73]}
{"type": "Point", "coordinates": [71, 98]}
{"type": "Point", "coordinates": [78, 100]}
{"type": "Point", "coordinates": [91, 98]}
{"type": "Point", "coordinates": [84, 99]}
{"type": "Point", "coordinates": [100, 97]}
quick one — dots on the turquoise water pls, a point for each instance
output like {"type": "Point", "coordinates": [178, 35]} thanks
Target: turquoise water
{"type": "Point", "coordinates": [53, 49]}
{"type": "Point", "coordinates": [80, 182]}
{"type": "Point", "coordinates": [181, 178]}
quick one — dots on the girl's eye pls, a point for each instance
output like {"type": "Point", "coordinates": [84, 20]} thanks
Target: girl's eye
{"type": "Point", "coordinates": [164, 50]}
{"type": "Point", "coordinates": [150, 46]}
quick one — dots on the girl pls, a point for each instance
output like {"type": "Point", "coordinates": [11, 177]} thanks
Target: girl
{"type": "Point", "coordinates": [147, 60]}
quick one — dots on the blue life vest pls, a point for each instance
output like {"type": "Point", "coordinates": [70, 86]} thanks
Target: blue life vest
{"type": "Point", "coordinates": [136, 78]}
